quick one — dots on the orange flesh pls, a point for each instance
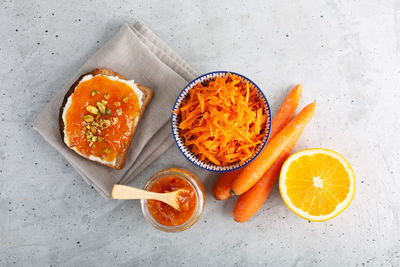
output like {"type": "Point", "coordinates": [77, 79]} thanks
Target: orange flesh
{"type": "Point", "coordinates": [315, 200]}
{"type": "Point", "coordinates": [116, 136]}
{"type": "Point", "coordinates": [164, 213]}
{"type": "Point", "coordinates": [223, 121]}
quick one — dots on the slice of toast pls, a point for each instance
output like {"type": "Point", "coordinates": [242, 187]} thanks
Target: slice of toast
{"type": "Point", "coordinates": [147, 95]}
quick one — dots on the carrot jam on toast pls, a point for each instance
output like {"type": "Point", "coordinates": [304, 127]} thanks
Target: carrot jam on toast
{"type": "Point", "coordinates": [99, 117]}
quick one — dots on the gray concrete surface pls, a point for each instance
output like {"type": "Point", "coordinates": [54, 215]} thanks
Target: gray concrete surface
{"type": "Point", "coordinates": [346, 54]}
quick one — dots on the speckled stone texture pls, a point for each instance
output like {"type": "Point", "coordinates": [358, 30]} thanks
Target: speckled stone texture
{"type": "Point", "coordinates": [345, 53]}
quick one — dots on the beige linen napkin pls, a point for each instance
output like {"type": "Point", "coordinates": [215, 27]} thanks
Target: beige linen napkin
{"type": "Point", "coordinates": [138, 54]}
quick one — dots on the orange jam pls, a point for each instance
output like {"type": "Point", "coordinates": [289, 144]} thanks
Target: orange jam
{"type": "Point", "coordinates": [164, 213]}
{"type": "Point", "coordinates": [101, 117]}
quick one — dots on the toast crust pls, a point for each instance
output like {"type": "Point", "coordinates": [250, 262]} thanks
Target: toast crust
{"type": "Point", "coordinates": [147, 95]}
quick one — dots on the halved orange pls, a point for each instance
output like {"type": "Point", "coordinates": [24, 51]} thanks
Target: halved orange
{"type": "Point", "coordinates": [317, 184]}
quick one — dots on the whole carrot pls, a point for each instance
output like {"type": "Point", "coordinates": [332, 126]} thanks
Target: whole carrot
{"type": "Point", "coordinates": [284, 139]}
{"type": "Point", "coordinates": [251, 201]}
{"type": "Point", "coordinates": [222, 188]}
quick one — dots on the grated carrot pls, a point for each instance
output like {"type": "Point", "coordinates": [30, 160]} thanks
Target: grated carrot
{"type": "Point", "coordinates": [223, 121]}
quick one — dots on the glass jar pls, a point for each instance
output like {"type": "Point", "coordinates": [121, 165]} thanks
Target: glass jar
{"type": "Point", "coordinates": [195, 184]}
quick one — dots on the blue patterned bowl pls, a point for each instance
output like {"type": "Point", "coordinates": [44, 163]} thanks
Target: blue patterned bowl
{"type": "Point", "coordinates": [175, 120]}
